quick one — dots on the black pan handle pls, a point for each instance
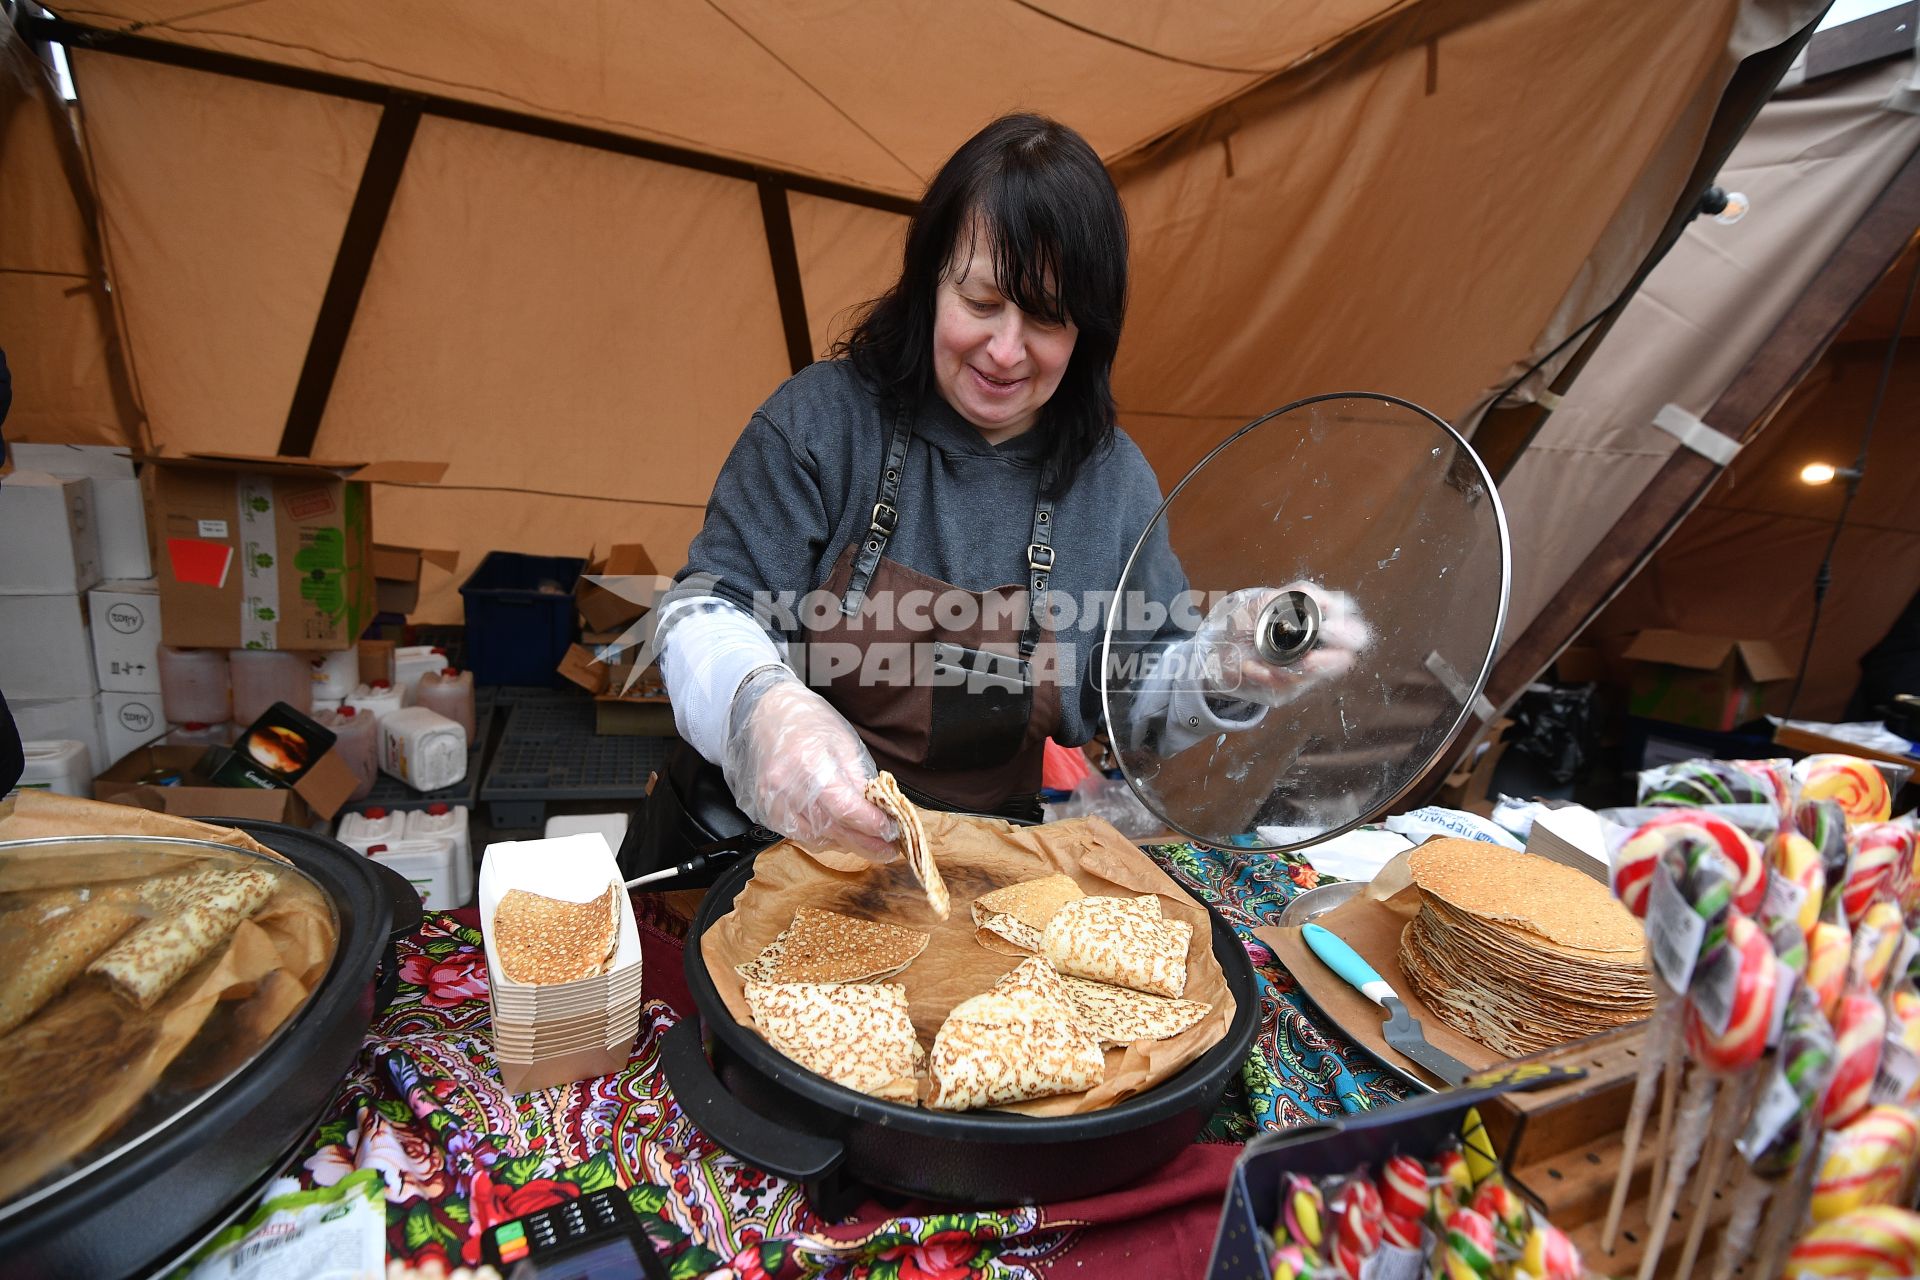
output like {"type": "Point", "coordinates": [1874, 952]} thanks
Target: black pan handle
{"type": "Point", "coordinates": [796, 1156]}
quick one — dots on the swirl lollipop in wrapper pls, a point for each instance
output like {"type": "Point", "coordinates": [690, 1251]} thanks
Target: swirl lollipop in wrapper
{"type": "Point", "coordinates": [1496, 1202]}
{"type": "Point", "coordinates": [1796, 861]}
{"type": "Point", "coordinates": [1547, 1254]}
{"type": "Point", "coordinates": [1866, 1163]}
{"type": "Point", "coordinates": [1870, 868]}
{"type": "Point", "coordinates": [1859, 1028]}
{"type": "Point", "coordinates": [1693, 783]}
{"type": "Point", "coordinates": [1357, 1225]}
{"type": "Point", "coordinates": [1403, 1187]}
{"type": "Point", "coordinates": [1867, 1244]}
{"type": "Point", "coordinates": [1875, 944]}
{"type": "Point", "coordinates": [1468, 1248]}
{"type": "Point", "coordinates": [1303, 1217]}
{"type": "Point", "coordinates": [1829, 951]}
{"type": "Point", "coordinates": [1824, 825]}
{"type": "Point", "coordinates": [1856, 785]}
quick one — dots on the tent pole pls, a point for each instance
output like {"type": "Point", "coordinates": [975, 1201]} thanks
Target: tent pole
{"type": "Point", "coordinates": [366, 220]}
{"type": "Point", "coordinates": [778, 217]}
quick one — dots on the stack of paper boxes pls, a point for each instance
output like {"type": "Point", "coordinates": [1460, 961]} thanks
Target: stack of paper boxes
{"type": "Point", "coordinates": [78, 627]}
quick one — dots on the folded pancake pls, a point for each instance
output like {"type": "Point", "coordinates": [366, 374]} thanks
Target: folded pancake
{"type": "Point", "coordinates": [44, 950]}
{"type": "Point", "coordinates": [1123, 941]}
{"type": "Point", "coordinates": [1010, 920]}
{"type": "Point", "coordinates": [542, 940]}
{"type": "Point", "coordinates": [825, 946]}
{"type": "Point", "coordinates": [149, 960]}
{"type": "Point", "coordinates": [1121, 1015]}
{"type": "Point", "coordinates": [1009, 1046]}
{"type": "Point", "coordinates": [1038, 976]}
{"type": "Point", "coordinates": [885, 792]}
{"type": "Point", "coordinates": [855, 1034]}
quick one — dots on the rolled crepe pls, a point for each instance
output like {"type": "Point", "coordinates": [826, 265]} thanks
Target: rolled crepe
{"type": "Point", "coordinates": [858, 1035]}
{"type": "Point", "coordinates": [147, 962]}
{"type": "Point", "coordinates": [1009, 1046]}
{"type": "Point", "coordinates": [1010, 920]}
{"type": "Point", "coordinates": [52, 951]}
{"type": "Point", "coordinates": [1123, 941]}
{"type": "Point", "coordinates": [884, 791]}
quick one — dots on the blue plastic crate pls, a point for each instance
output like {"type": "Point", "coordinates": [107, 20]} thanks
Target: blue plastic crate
{"type": "Point", "coordinates": [520, 617]}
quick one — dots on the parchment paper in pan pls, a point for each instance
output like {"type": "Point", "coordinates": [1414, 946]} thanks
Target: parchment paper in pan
{"type": "Point", "coordinates": [977, 856]}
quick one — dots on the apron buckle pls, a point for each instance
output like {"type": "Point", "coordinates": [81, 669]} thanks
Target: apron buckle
{"type": "Point", "coordinates": [884, 518]}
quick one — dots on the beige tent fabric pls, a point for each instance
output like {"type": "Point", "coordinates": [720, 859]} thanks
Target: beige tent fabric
{"type": "Point", "coordinates": [1811, 164]}
{"type": "Point", "coordinates": [848, 255]}
{"type": "Point", "coordinates": [50, 315]}
{"type": "Point", "coordinates": [223, 203]}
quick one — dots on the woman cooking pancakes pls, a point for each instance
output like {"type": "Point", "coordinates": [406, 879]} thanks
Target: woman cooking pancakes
{"type": "Point", "coordinates": [880, 576]}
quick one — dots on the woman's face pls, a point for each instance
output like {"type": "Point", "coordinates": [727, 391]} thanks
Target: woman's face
{"type": "Point", "coordinates": [995, 364]}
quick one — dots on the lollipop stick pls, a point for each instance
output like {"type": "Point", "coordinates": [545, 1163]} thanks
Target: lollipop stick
{"type": "Point", "coordinates": [1689, 1130]}
{"type": "Point", "coordinates": [1663, 1138]}
{"type": "Point", "coordinates": [1790, 1210]}
{"type": "Point", "coordinates": [1654, 1048]}
{"type": "Point", "coordinates": [1736, 1241]}
{"type": "Point", "coordinates": [1729, 1110]}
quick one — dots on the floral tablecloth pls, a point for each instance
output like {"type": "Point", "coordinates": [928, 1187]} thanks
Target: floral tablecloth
{"type": "Point", "coordinates": [423, 1104]}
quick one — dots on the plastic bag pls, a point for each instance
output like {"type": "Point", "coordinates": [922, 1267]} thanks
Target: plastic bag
{"type": "Point", "coordinates": [1112, 799]}
{"type": "Point", "coordinates": [1555, 727]}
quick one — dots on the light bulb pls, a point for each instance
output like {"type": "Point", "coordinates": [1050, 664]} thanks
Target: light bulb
{"type": "Point", "coordinates": [1817, 473]}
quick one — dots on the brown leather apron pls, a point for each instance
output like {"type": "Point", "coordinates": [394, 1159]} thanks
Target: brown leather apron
{"type": "Point", "coordinates": [952, 708]}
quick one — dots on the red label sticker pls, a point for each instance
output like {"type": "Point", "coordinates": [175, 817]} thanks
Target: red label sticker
{"type": "Point", "coordinates": [309, 503]}
{"type": "Point", "coordinates": [200, 564]}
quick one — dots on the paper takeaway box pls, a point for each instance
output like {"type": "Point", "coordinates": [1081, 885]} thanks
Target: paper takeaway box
{"type": "Point", "coordinates": [1709, 682]}
{"type": "Point", "coordinates": [265, 552]}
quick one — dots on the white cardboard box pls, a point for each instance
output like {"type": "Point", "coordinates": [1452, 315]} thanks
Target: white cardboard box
{"type": "Point", "coordinates": [129, 721]}
{"type": "Point", "coordinates": [126, 635]}
{"type": "Point", "coordinates": [44, 652]}
{"type": "Point", "coordinates": [50, 719]}
{"type": "Point", "coordinates": [119, 515]}
{"type": "Point", "coordinates": [46, 527]}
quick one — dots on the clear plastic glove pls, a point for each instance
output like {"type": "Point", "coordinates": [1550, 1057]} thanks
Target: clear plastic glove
{"type": "Point", "coordinates": [1234, 668]}
{"type": "Point", "coordinates": [796, 766]}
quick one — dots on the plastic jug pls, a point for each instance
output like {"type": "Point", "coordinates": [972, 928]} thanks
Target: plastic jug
{"type": "Point", "coordinates": [334, 674]}
{"type": "Point", "coordinates": [262, 677]}
{"type": "Point", "coordinates": [359, 831]}
{"type": "Point", "coordinates": [423, 748]}
{"type": "Point", "coordinates": [357, 739]}
{"type": "Point", "coordinates": [428, 864]}
{"type": "Point", "coordinates": [63, 766]}
{"type": "Point", "coordinates": [441, 821]}
{"type": "Point", "coordinates": [412, 661]}
{"type": "Point", "coordinates": [450, 692]}
{"type": "Point", "coordinates": [195, 734]}
{"type": "Point", "coordinates": [378, 700]}
{"type": "Point", "coordinates": [195, 686]}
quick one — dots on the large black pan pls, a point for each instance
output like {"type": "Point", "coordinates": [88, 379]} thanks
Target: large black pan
{"type": "Point", "coordinates": [160, 1193]}
{"type": "Point", "coordinates": [774, 1114]}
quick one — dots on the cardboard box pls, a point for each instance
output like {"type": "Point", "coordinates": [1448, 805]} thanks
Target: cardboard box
{"type": "Point", "coordinates": [57, 719]}
{"type": "Point", "coordinates": [1709, 682]}
{"type": "Point", "coordinates": [119, 517]}
{"type": "Point", "coordinates": [44, 647]}
{"type": "Point", "coordinates": [1580, 664]}
{"type": "Point", "coordinates": [396, 575]}
{"type": "Point", "coordinates": [121, 784]}
{"type": "Point", "coordinates": [128, 722]}
{"type": "Point", "coordinates": [613, 606]}
{"type": "Point", "coordinates": [47, 533]}
{"type": "Point", "coordinates": [265, 553]}
{"type": "Point", "coordinates": [125, 620]}
{"type": "Point", "coordinates": [260, 758]}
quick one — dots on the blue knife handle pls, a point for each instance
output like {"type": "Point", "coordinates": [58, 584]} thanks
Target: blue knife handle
{"type": "Point", "coordinates": [1346, 962]}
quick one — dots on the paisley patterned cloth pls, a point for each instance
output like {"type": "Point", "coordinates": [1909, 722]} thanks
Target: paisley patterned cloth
{"type": "Point", "coordinates": [424, 1105]}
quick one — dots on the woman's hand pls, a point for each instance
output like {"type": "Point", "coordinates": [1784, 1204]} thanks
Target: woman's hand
{"type": "Point", "coordinates": [796, 766]}
{"type": "Point", "coordinates": [1234, 668]}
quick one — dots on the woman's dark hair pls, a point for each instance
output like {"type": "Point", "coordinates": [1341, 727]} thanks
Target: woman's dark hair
{"type": "Point", "coordinates": [1049, 214]}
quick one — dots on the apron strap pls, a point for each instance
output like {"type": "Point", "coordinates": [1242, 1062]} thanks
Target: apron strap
{"type": "Point", "coordinates": [886, 515]}
{"type": "Point", "coordinates": [1039, 568]}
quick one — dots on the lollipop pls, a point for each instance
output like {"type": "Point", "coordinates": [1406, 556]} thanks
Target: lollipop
{"type": "Point", "coordinates": [1858, 1028]}
{"type": "Point", "coordinates": [1854, 784]}
{"type": "Point", "coordinates": [1547, 1254]}
{"type": "Point", "coordinates": [1403, 1187]}
{"type": "Point", "coordinates": [1829, 948]}
{"type": "Point", "coordinates": [1469, 1248]}
{"type": "Point", "coordinates": [1903, 1019]}
{"type": "Point", "coordinates": [1402, 1233]}
{"type": "Point", "coordinates": [1867, 1162]}
{"type": "Point", "coordinates": [1797, 861]}
{"type": "Point", "coordinates": [1303, 1213]}
{"type": "Point", "coordinates": [1784, 934]}
{"type": "Point", "coordinates": [1356, 1227]}
{"type": "Point", "coordinates": [1865, 1244]}
{"type": "Point", "coordinates": [1450, 1186]}
{"type": "Point", "coordinates": [1289, 1262]}
{"type": "Point", "coordinates": [1777, 775]}
{"type": "Point", "coordinates": [1496, 1202]}
{"type": "Point", "coordinates": [1881, 931]}
{"type": "Point", "coordinates": [1696, 782]}
{"type": "Point", "coordinates": [1744, 1038]}
{"type": "Point", "coordinates": [1747, 858]}
{"type": "Point", "coordinates": [1869, 876]}
{"type": "Point", "coordinates": [1896, 838]}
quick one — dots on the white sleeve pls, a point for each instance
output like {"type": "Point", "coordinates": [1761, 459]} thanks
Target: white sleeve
{"type": "Point", "coordinates": [707, 647]}
{"type": "Point", "coordinates": [1173, 713]}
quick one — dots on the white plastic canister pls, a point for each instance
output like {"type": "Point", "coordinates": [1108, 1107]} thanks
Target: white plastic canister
{"type": "Point", "coordinates": [442, 821]}
{"type": "Point", "coordinates": [423, 749]}
{"type": "Point", "coordinates": [60, 765]}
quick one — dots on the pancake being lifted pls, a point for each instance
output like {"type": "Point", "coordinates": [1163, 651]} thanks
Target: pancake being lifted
{"type": "Point", "coordinates": [1519, 952]}
{"type": "Point", "coordinates": [1123, 941]}
{"type": "Point", "coordinates": [825, 946]}
{"type": "Point", "coordinates": [885, 792]}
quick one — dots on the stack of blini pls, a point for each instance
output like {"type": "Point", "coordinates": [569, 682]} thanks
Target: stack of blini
{"type": "Point", "coordinates": [564, 977]}
{"type": "Point", "coordinates": [1518, 952]}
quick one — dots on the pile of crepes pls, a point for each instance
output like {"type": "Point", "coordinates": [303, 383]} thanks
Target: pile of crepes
{"type": "Point", "coordinates": [1098, 971]}
{"type": "Point", "coordinates": [1518, 952]}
